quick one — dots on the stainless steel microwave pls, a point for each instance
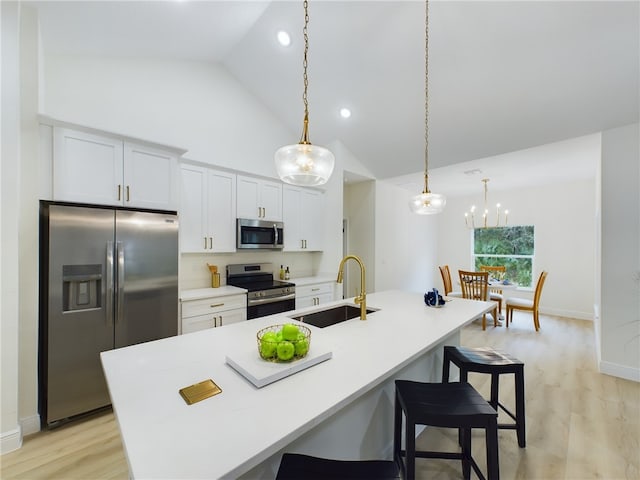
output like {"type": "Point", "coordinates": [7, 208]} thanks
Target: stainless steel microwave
{"type": "Point", "coordinates": [259, 234]}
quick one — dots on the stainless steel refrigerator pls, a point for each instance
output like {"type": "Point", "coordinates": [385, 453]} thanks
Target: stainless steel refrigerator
{"type": "Point", "coordinates": [108, 279]}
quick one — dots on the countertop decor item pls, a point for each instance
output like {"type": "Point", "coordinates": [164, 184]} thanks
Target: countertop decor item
{"type": "Point", "coordinates": [215, 276]}
{"type": "Point", "coordinates": [304, 164]}
{"type": "Point", "coordinates": [284, 343]}
{"type": "Point", "coordinates": [427, 203]}
{"type": "Point", "coordinates": [434, 299]}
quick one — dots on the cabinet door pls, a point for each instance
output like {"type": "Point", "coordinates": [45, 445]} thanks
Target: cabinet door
{"type": "Point", "coordinates": [149, 178]}
{"type": "Point", "coordinates": [231, 316]}
{"type": "Point", "coordinates": [291, 218]}
{"type": "Point", "coordinates": [87, 168]}
{"type": "Point", "coordinates": [200, 322]}
{"type": "Point", "coordinates": [194, 235]}
{"type": "Point", "coordinates": [311, 220]}
{"type": "Point", "coordinates": [248, 197]}
{"type": "Point", "coordinates": [221, 206]}
{"type": "Point", "coordinates": [271, 200]}
{"type": "Point", "coordinates": [257, 198]}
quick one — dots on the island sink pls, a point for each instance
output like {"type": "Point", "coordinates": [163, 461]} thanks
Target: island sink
{"type": "Point", "coordinates": [331, 316]}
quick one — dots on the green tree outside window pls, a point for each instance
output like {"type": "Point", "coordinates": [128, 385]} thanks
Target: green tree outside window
{"type": "Point", "coordinates": [512, 247]}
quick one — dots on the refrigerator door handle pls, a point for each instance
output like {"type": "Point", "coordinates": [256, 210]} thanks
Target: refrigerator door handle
{"type": "Point", "coordinates": [109, 300]}
{"type": "Point", "coordinates": [120, 283]}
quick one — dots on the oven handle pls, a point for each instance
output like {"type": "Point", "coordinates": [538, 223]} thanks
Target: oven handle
{"type": "Point", "coordinates": [262, 301]}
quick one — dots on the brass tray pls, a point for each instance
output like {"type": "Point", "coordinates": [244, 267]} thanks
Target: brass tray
{"type": "Point", "coordinates": [199, 391]}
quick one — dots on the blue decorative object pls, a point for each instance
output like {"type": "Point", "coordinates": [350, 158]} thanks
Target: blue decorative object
{"type": "Point", "coordinates": [433, 299]}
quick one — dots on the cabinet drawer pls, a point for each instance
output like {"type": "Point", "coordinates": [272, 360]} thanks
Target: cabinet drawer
{"type": "Point", "coordinates": [192, 308]}
{"type": "Point", "coordinates": [315, 289]}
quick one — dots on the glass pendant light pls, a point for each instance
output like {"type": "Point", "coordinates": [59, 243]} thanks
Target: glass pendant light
{"type": "Point", "coordinates": [304, 164]}
{"type": "Point", "coordinates": [427, 203]}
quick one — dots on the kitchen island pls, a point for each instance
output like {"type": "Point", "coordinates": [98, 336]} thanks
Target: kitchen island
{"type": "Point", "coordinates": [340, 408]}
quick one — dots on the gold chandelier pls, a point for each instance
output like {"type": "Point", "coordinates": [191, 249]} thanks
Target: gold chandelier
{"type": "Point", "coordinates": [427, 203]}
{"type": "Point", "coordinates": [469, 217]}
{"type": "Point", "coordinates": [303, 163]}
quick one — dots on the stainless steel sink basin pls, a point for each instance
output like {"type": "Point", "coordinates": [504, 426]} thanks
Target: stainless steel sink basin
{"type": "Point", "coordinates": [331, 316]}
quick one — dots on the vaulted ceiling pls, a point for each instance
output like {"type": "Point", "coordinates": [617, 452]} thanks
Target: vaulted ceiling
{"type": "Point", "coordinates": [503, 75]}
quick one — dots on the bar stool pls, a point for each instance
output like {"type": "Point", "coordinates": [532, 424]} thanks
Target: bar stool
{"type": "Point", "coordinates": [451, 405]}
{"type": "Point", "coordinates": [295, 466]}
{"type": "Point", "coordinates": [495, 363]}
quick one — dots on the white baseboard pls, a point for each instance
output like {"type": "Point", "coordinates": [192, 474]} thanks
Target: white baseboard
{"type": "Point", "coordinates": [621, 371]}
{"type": "Point", "coordinates": [30, 425]}
{"type": "Point", "coordinates": [10, 441]}
{"type": "Point", "coordinates": [567, 313]}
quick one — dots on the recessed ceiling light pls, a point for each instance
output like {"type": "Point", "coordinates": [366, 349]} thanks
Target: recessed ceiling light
{"type": "Point", "coordinates": [283, 38]}
{"type": "Point", "coordinates": [345, 112]}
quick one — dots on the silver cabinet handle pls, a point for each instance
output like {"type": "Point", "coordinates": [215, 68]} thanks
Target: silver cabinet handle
{"type": "Point", "coordinates": [120, 283]}
{"type": "Point", "coordinates": [128, 196]}
{"type": "Point", "coordinates": [211, 243]}
{"type": "Point", "coordinates": [205, 243]}
{"type": "Point", "coordinates": [109, 275]}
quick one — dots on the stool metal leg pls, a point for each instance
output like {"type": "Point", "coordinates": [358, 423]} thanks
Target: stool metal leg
{"type": "Point", "coordinates": [465, 434]}
{"type": "Point", "coordinates": [520, 416]}
{"type": "Point", "coordinates": [397, 434]}
{"type": "Point", "coordinates": [491, 435]}
{"type": "Point", "coordinates": [410, 447]}
{"type": "Point", "coordinates": [495, 382]}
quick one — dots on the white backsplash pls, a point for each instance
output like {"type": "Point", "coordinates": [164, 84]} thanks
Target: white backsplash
{"type": "Point", "coordinates": [194, 272]}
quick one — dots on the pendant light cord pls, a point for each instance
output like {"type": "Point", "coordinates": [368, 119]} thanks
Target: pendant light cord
{"type": "Point", "coordinates": [426, 97]}
{"type": "Point", "coordinates": [305, 33]}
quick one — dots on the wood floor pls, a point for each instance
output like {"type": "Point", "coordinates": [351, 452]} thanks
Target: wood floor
{"type": "Point", "coordinates": [580, 424]}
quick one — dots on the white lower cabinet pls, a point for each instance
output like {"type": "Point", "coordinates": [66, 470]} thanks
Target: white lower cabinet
{"type": "Point", "coordinates": [314, 294]}
{"type": "Point", "coordinates": [213, 312]}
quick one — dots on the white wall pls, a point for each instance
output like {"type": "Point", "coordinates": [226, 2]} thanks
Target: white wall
{"type": "Point", "coordinates": [564, 219]}
{"type": "Point", "coordinates": [620, 262]}
{"type": "Point", "coordinates": [405, 243]}
{"type": "Point", "coordinates": [9, 193]}
{"type": "Point", "coordinates": [191, 105]}
{"type": "Point", "coordinates": [359, 211]}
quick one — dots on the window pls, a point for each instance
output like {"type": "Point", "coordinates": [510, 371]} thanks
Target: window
{"type": "Point", "coordinates": [512, 247]}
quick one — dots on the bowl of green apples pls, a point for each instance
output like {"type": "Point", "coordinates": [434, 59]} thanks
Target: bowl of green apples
{"type": "Point", "coordinates": [283, 343]}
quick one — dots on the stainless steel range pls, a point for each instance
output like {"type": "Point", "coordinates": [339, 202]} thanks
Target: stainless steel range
{"type": "Point", "coordinates": [265, 296]}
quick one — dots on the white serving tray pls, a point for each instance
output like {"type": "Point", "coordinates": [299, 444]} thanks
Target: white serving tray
{"type": "Point", "coordinates": [260, 372]}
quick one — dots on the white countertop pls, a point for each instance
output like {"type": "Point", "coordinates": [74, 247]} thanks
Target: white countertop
{"type": "Point", "coordinates": [302, 281]}
{"type": "Point", "coordinates": [230, 433]}
{"type": "Point", "coordinates": [200, 293]}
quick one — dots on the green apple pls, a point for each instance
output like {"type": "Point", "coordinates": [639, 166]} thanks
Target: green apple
{"type": "Point", "coordinates": [268, 345]}
{"type": "Point", "coordinates": [268, 349]}
{"type": "Point", "coordinates": [285, 350]}
{"type": "Point", "coordinates": [301, 347]}
{"type": "Point", "coordinates": [290, 332]}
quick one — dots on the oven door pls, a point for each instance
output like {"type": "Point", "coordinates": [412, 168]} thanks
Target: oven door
{"type": "Point", "coordinates": [268, 306]}
{"type": "Point", "coordinates": [259, 234]}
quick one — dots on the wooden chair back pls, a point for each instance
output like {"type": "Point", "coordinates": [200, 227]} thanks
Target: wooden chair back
{"type": "Point", "coordinates": [474, 285]}
{"type": "Point", "coordinates": [538, 292]}
{"type": "Point", "coordinates": [493, 269]}
{"type": "Point", "coordinates": [446, 279]}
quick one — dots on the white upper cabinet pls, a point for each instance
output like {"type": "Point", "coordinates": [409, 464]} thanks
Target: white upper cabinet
{"type": "Point", "coordinates": [302, 215]}
{"type": "Point", "coordinates": [259, 199]}
{"type": "Point", "coordinates": [207, 209]}
{"type": "Point", "coordinates": [150, 178]}
{"type": "Point", "coordinates": [107, 170]}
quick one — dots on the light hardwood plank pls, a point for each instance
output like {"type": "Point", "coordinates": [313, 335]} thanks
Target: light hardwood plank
{"type": "Point", "coordinates": [580, 424]}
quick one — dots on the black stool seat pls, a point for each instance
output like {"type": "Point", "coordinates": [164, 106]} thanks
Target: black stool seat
{"type": "Point", "coordinates": [295, 466]}
{"type": "Point", "coordinates": [490, 361]}
{"type": "Point", "coordinates": [452, 405]}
